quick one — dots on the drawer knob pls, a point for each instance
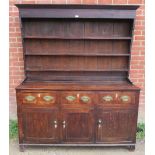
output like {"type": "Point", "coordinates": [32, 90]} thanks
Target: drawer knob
{"type": "Point", "coordinates": [30, 98]}
{"type": "Point", "coordinates": [99, 121]}
{"type": "Point", "coordinates": [125, 98]}
{"type": "Point", "coordinates": [48, 98]}
{"type": "Point", "coordinates": [107, 98]}
{"type": "Point", "coordinates": [85, 99]}
{"type": "Point", "coordinates": [71, 98]}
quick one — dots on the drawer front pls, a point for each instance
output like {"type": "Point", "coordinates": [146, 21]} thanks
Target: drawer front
{"type": "Point", "coordinates": [34, 98]}
{"type": "Point", "coordinates": [116, 98]}
{"type": "Point", "coordinates": [76, 98]}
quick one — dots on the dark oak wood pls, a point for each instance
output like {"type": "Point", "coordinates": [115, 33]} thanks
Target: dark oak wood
{"type": "Point", "coordinates": [115, 125]}
{"type": "Point", "coordinates": [77, 89]}
{"type": "Point", "coordinates": [77, 126]}
{"type": "Point", "coordinates": [77, 11]}
{"type": "Point", "coordinates": [40, 126]}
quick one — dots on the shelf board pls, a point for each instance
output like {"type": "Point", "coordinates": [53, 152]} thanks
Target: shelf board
{"type": "Point", "coordinates": [78, 38]}
{"type": "Point", "coordinates": [74, 54]}
{"type": "Point", "coordinates": [80, 70]}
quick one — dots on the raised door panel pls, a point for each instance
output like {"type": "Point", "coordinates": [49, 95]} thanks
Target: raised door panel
{"type": "Point", "coordinates": [41, 126]}
{"type": "Point", "coordinates": [77, 126]}
{"type": "Point", "coordinates": [116, 126]}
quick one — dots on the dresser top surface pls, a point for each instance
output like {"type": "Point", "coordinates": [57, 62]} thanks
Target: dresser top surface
{"type": "Point", "coordinates": [49, 85]}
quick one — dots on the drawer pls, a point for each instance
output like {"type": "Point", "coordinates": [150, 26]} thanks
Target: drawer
{"type": "Point", "coordinates": [78, 98]}
{"type": "Point", "coordinates": [117, 98]}
{"type": "Point", "coordinates": [34, 98]}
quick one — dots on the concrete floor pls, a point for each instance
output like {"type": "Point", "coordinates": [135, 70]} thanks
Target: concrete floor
{"type": "Point", "coordinates": [14, 150]}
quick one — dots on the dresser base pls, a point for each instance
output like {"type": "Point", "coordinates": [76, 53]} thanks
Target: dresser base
{"type": "Point", "coordinates": [130, 147]}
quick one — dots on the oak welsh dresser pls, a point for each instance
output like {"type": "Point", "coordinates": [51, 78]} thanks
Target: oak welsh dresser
{"type": "Point", "coordinates": [77, 90]}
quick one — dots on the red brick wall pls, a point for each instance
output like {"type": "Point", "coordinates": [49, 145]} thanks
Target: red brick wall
{"type": "Point", "coordinates": [16, 55]}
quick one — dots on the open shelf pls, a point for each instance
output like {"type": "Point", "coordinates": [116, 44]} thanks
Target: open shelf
{"type": "Point", "coordinates": [78, 38]}
{"type": "Point", "coordinates": [81, 70]}
{"type": "Point", "coordinates": [74, 54]}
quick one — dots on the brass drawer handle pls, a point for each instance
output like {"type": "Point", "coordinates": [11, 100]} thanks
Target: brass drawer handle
{"type": "Point", "coordinates": [30, 98]}
{"type": "Point", "coordinates": [125, 98]}
{"type": "Point", "coordinates": [71, 98]}
{"type": "Point", "coordinates": [48, 98]}
{"type": "Point", "coordinates": [107, 98]}
{"type": "Point", "coordinates": [85, 99]}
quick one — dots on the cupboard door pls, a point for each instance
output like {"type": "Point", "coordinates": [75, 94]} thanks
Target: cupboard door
{"type": "Point", "coordinates": [77, 126]}
{"type": "Point", "coordinates": [116, 126]}
{"type": "Point", "coordinates": [41, 125]}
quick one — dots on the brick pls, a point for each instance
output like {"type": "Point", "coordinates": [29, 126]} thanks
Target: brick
{"type": "Point", "coordinates": [16, 19]}
{"type": "Point", "coordinates": [15, 34]}
{"type": "Point", "coordinates": [43, 1]}
{"type": "Point", "coordinates": [137, 66]}
{"type": "Point", "coordinates": [11, 2]}
{"type": "Point", "coordinates": [135, 52]}
{"type": "Point", "coordinates": [59, 1]}
{"type": "Point", "coordinates": [139, 12]}
{"type": "Point", "coordinates": [18, 29]}
{"type": "Point", "coordinates": [138, 57]}
{"type": "Point", "coordinates": [12, 40]}
{"type": "Point", "coordinates": [104, 1]}
{"type": "Point", "coordinates": [11, 29]}
{"type": "Point", "coordinates": [119, 1]}
{"type": "Point", "coordinates": [14, 24]}
{"type": "Point", "coordinates": [138, 22]}
{"type": "Point", "coordinates": [73, 1]}
{"type": "Point", "coordinates": [137, 32]}
{"type": "Point", "coordinates": [15, 8]}
{"type": "Point", "coordinates": [139, 27]}
{"type": "Point", "coordinates": [15, 44]}
{"type": "Point", "coordinates": [139, 38]}
{"type": "Point", "coordinates": [28, 2]}
{"type": "Point", "coordinates": [135, 43]}
{"type": "Point", "coordinates": [140, 18]}
{"type": "Point", "coordinates": [89, 1]}
{"type": "Point", "coordinates": [134, 1]}
{"type": "Point", "coordinates": [137, 48]}
{"type": "Point", "coordinates": [15, 14]}
{"type": "Point", "coordinates": [11, 19]}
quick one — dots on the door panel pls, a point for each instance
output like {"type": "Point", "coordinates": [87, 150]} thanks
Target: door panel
{"type": "Point", "coordinates": [116, 126]}
{"type": "Point", "coordinates": [77, 126]}
{"type": "Point", "coordinates": [41, 126]}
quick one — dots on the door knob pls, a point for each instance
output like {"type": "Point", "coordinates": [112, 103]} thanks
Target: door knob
{"type": "Point", "coordinates": [55, 124]}
{"type": "Point", "coordinates": [99, 123]}
{"type": "Point", "coordinates": [64, 124]}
